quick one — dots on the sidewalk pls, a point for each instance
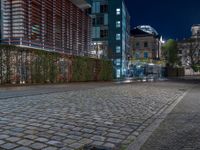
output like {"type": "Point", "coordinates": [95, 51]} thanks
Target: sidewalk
{"type": "Point", "coordinates": [181, 128]}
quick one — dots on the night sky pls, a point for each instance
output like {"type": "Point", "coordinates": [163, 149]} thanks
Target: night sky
{"type": "Point", "coordinates": [171, 18]}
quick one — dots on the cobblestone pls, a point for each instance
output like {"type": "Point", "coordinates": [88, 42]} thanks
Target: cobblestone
{"type": "Point", "coordinates": [180, 129]}
{"type": "Point", "coordinates": [8, 146]}
{"type": "Point", "coordinates": [22, 148]}
{"type": "Point", "coordinates": [105, 116]}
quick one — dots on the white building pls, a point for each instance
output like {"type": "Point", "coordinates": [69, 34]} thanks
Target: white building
{"type": "Point", "coordinates": [189, 50]}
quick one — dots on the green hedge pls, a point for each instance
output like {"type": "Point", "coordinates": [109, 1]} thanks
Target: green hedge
{"type": "Point", "coordinates": [25, 65]}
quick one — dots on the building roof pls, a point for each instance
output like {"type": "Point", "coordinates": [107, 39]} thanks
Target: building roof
{"type": "Point", "coordinates": [196, 25]}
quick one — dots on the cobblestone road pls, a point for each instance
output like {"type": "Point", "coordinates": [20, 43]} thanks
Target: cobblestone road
{"type": "Point", "coordinates": [106, 116]}
{"type": "Point", "coordinates": [181, 128]}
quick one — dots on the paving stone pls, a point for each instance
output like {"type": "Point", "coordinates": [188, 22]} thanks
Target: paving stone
{"type": "Point", "coordinates": [38, 145]}
{"type": "Point", "coordinates": [86, 135]}
{"type": "Point", "coordinates": [76, 145]}
{"type": "Point", "coordinates": [114, 140]}
{"type": "Point", "coordinates": [31, 137]}
{"type": "Point", "coordinates": [2, 142]}
{"type": "Point", "coordinates": [50, 148]}
{"type": "Point", "coordinates": [98, 138]}
{"type": "Point", "coordinates": [88, 130]}
{"type": "Point", "coordinates": [74, 137]}
{"type": "Point", "coordinates": [13, 139]}
{"type": "Point", "coordinates": [109, 145]}
{"type": "Point", "coordinates": [25, 142]}
{"type": "Point", "coordinates": [60, 138]}
{"type": "Point", "coordinates": [66, 148]}
{"type": "Point", "coordinates": [97, 143]}
{"type": "Point", "coordinates": [42, 139]}
{"type": "Point", "coordinates": [69, 141]}
{"type": "Point", "coordinates": [114, 135]}
{"type": "Point", "coordinates": [85, 141]}
{"type": "Point", "coordinates": [55, 143]}
{"type": "Point", "coordinates": [22, 148]}
{"type": "Point", "coordinates": [9, 146]}
{"type": "Point", "coordinates": [4, 136]}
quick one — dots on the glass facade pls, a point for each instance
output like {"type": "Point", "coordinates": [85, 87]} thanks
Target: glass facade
{"type": "Point", "coordinates": [112, 16]}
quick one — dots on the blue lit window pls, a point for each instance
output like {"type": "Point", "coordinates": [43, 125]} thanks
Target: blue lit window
{"type": "Point", "coordinates": [146, 55]}
{"type": "Point", "coordinates": [118, 73]}
{"type": "Point", "coordinates": [118, 49]}
{"type": "Point", "coordinates": [118, 62]}
{"type": "Point", "coordinates": [118, 36]}
{"type": "Point", "coordinates": [118, 24]}
{"type": "Point", "coordinates": [118, 11]}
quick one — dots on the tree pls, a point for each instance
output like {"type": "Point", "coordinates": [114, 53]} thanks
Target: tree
{"type": "Point", "coordinates": [170, 52]}
{"type": "Point", "coordinates": [194, 53]}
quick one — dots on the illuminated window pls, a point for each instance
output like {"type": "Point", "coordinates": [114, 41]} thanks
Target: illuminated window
{"type": "Point", "coordinates": [118, 49]}
{"type": "Point", "coordinates": [118, 62]}
{"type": "Point", "coordinates": [118, 73]}
{"type": "Point", "coordinates": [118, 24]}
{"type": "Point", "coordinates": [118, 36]}
{"type": "Point", "coordinates": [145, 54]}
{"type": "Point", "coordinates": [118, 11]}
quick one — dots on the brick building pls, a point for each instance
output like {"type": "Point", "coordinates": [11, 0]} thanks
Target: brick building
{"type": "Point", "coordinates": [52, 25]}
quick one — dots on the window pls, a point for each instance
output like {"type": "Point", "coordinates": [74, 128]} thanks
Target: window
{"type": "Point", "coordinates": [137, 44]}
{"type": "Point", "coordinates": [118, 11]}
{"type": "Point", "coordinates": [118, 24]}
{"type": "Point", "coordinates": [118, 49]}
{"type": "Point", "coordinates": [104, 8]}
{"type": "Point", "coordinates": [94, 21]}
{"type": "Point", "coordinates": [145, 44]}
{"type": "Point", "coordinates": [105, 19]}
{"type": "Point", "coordinates": [118, 73]}
{"type": "Point", "coordinates": [118, 62]}
{"type": "Point", "coordinates": [95, 32]}
{"type": "Point", "coordinates": [137, 55]}
{"type": "Point", "coordinates": [88, 11]}
{"type": "Point", "coordinates": [96, 7]}
{"type": "Point", "coordinates": [99, 20]}
{"type": "Point", "coordinates": [104, 33]}
{"type": "Point", "coordinates": [145, 54]}
{"type": "Point", "coordinates": [118, 36]}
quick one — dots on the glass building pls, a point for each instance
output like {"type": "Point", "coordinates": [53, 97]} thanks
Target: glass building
{"type": "Point", "coordinates": [53, 25]}
{"type": "Point", "coordinates": [110, 32]}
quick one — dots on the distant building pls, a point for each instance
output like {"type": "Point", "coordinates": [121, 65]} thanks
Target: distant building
{"type": "Point", "coordinates": [53, 25]}
{"type": "Point", "coordinates": [145, 43]}
{"type": "Point", "coordinates": [189, 49]}
{"type": "Point", "coordinates": [1, 12]}
{"type": "Point", "coordinates": [195, 31]}
{"type": "Point", "coordinates": [111, 32]}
